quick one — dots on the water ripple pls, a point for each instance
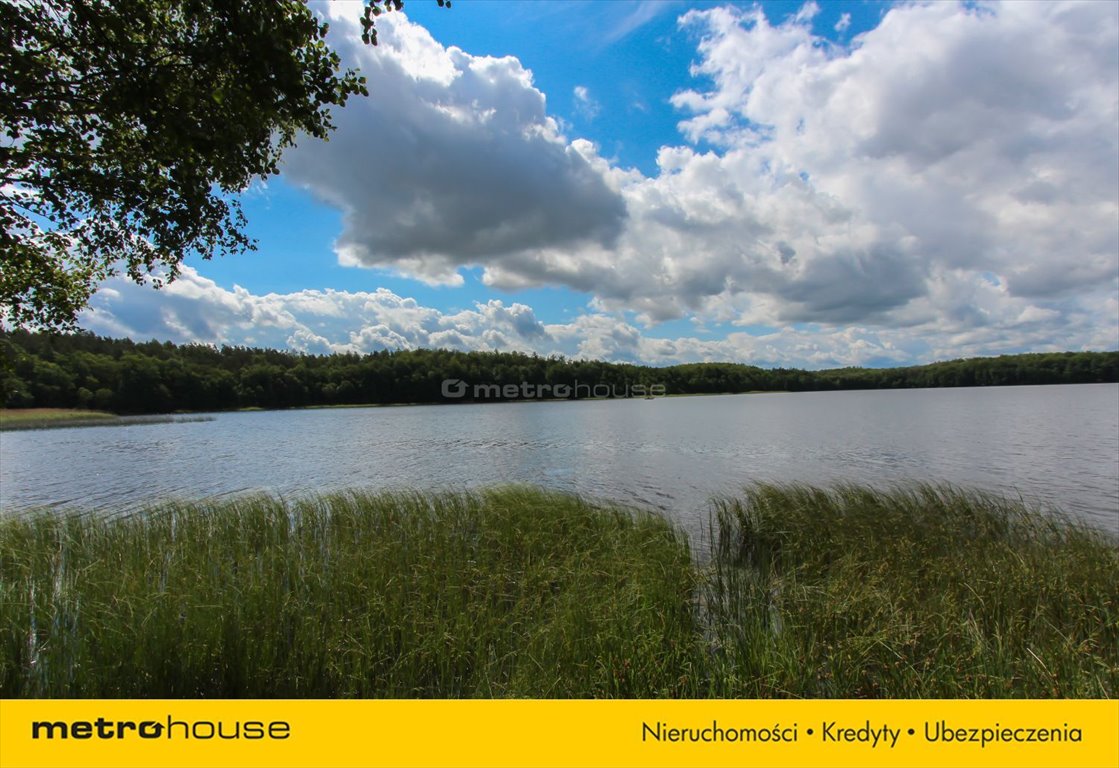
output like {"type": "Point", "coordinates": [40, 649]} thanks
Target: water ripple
{"type": "Point", "coordinates": [1056, 446]}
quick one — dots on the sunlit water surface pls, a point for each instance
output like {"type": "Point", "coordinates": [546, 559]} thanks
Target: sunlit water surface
{"type": "Point", "coordinates": [1052, 445]}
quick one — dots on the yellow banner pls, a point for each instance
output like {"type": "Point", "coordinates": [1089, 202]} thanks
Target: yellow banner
{"type": "Point", "coordinates": [547, 734]}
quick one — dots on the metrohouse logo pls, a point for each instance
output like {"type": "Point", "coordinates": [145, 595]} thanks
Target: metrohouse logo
{"type": "Point", "coordinates": [105, 729]}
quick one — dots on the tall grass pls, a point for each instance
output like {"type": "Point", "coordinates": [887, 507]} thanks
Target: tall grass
{"type": "Point", "coordinates": [922, 592]}
{"type": "Point", "coordinates": [843, 592]}
{"type": "Point", "coordinates": [511, 592]}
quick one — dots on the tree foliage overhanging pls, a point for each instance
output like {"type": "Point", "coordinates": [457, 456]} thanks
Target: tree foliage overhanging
{"type": "Point", "coordinates": [128, 126]}
{"type": "Point", "coordinates": [120, 375]}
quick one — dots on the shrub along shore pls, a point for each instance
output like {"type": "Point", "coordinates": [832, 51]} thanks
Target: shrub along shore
{"type": "Point", "coordinates": [521, 592]}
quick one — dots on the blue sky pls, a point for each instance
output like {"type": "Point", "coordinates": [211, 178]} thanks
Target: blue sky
{"type": "Point", "coordinates": [780, 184]}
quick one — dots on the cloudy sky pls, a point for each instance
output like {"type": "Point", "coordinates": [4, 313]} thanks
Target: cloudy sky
{"type": "Point", "coordinates": [782, 184]}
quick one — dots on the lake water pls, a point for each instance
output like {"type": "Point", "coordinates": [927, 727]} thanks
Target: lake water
{"type": "Point", "coordinates": [1055, 445]}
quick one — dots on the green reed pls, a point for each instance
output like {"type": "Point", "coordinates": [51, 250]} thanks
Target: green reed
{"type": "Point", "coordinates": [519, 592]}
{"type": "Point", "coordinates": [510, 592]}
{"type": "Point", "coordinates": [920, 592]}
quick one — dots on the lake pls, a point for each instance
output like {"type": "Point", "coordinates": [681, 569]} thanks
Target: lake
{"type": "Point", "coordinates": [1053, 445]}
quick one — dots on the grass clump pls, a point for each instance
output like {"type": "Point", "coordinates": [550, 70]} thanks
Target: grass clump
{"type": "Point", "coordinates": [923, 592]}
{"type": "Point", "coordinates": [507, 593]}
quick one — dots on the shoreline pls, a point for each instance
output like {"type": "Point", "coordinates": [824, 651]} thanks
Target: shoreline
{"type": "Point", "coordinates": [12, 420]}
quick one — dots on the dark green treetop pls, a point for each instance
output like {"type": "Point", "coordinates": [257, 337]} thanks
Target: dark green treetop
{"type": "Point", "coordinates": [127, 127]}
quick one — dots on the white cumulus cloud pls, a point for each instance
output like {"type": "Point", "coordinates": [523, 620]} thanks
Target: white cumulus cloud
{"type": "Point", "coordinates": [946, 184]}
{"type": "Point", "coordinates": [195, 309]}
{"type": "Point", "coordinates": [846, 184]}
{"type": "Point", "coordinates": [452, 160]}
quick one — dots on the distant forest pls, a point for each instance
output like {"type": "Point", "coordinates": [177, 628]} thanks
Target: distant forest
{"type": "Point", "coordinates": [86, 371]}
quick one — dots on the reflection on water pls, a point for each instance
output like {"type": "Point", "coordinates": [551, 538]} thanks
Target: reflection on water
{"type": "Point", "coordinates": [1055, 445]}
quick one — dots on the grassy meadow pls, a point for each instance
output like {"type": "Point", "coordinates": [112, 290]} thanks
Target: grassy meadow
{"type": "Point", "coordinates": [520, 592]}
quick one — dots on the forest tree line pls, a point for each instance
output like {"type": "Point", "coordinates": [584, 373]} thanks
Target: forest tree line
{"type": "Point", "coordinates": [80, 370]}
